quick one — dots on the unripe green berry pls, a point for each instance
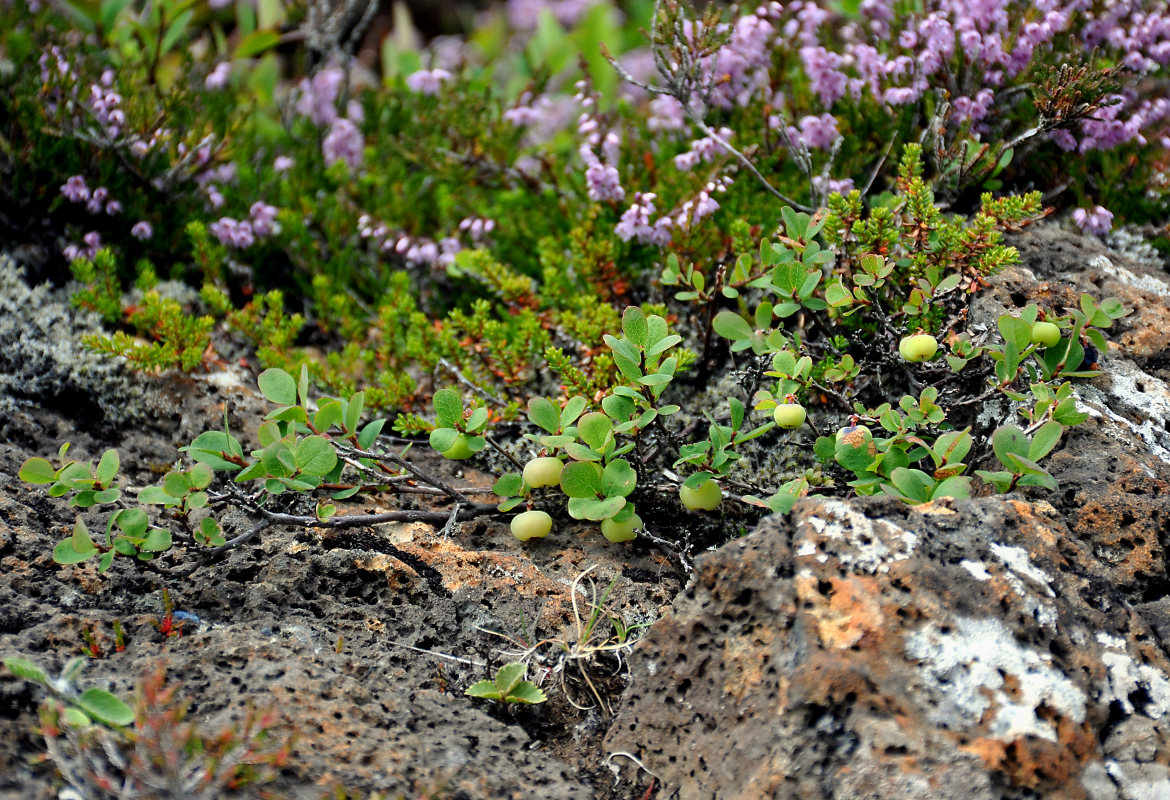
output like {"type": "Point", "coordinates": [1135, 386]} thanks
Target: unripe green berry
{"type": "Point", "coordinates": [920, 347]}
{"type": "Point", "coordinates": [789, 415]}
{"type": "Point", "coordinates": [706, 498]}
{"type": "Point", "coordinates": [460, 450]}
{"type": "Point", "coordinates": [543, 472]}
{"type": "Point", "coordinates": [621, 531]}
{"type": "Point", "coordinates": [1045, 333]}
{"type": "Point", "coordinates": [531, 525]}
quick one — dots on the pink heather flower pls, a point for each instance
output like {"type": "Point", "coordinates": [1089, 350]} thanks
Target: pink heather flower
{"type": "Point", "coordinates": [113, 207]}
{"type": "Point", "coordinates": [427, 81]}
{"type": "Point", "coordinates": [1098, 221]}
{"type": "Point", "coordinates": [264, 219]}
{"type": "Point", "coordinates": [318, 96]}
{"type": "Point", "coordinates": [142, 230]}
{"type": "Point", "coordinates": [635, 222]}
{"type": "Point", "coordinates": [603, 182]}
{"type": "Point", "coordinates": [75, 189]}
{"type": "Point", "coordinates": [218, 78]}
{"type": "Point", "coordinates": [666, 114]}
{"type": "Point", "coordinates": [283, 163]}
{"type": "Point", "coordinates": [344, 143]}
{"type": "Point", "coordinates": [817, 132]}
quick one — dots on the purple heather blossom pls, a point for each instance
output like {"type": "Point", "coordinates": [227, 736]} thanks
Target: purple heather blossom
{"type": "Point", "coordinates": [283, 163]}
{"type": "Point", "coordinates": [1097, 221]}
{"type": "Point", "coordinates": [477, 227]}
{"type": "Point", "coordinates": [603, 181]}
{"type": "Point", "coordinates": [142, 230]}
{"type": "Point", "coordinates": [318, 96]}
{"type": "Point", "coordinates": [264, 219]}
{"type": "Point", "coordinates": [75, 189]}
{"type": "Point", "coordinates": [427, 81]}
{"type": "Point", "coordinates": [635, 222]}
{"type": "Point", "coordinates": [218, 77]}
{"type": "Point", "coordinates": [113, 207]}
{"type": "Point", "coordinates": [703, 205]}
{"type": "Point", "coordinates": [816, 132]}
{"type": "Point", "coordinates": [233, 233]}
{"type": "Point", "coordinates": [343, 143]}
{"type": "Point", "coordinates": [666, 114]}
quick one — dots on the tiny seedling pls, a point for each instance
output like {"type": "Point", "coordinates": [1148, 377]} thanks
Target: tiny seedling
{"type": "Point", "coordinates": [509, 686]}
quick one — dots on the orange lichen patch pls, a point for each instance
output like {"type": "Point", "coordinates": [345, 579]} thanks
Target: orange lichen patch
{"type": "Point", "coordinates": [375, 625]}
{"type": "Point", "coordinates": [745, 659]}
{"type": "Point", "coordinates": [1037, 763]}
{"type": "Point", "coordinates": [494, 571]}
{"type": "Point", "coordinates": [398, 575]}
{"type": "Point", "coordinates": [846, 610]}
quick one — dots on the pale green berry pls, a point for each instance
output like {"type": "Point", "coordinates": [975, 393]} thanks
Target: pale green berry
{"type": "Point", "coordinates": [531, 525]}
{"type": "Point", "coordinates": [543, 472]}
{"type": "Point", "coordinates": [460, 450]}
{"type": "Point", "coordinates": [621, 531]}
{"type": "Point", "coordinates": [789, 415]}
{"type": "Point", "coordinates": [1045, 333]}
{"type": "Point", "coordinates": [706, 498]}
{"type": "Point", "coordinates": [920, 347]}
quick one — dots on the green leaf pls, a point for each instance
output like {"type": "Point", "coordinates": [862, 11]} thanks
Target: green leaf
{"type": "Point", "coordinates": [485, 689]}
{"type": "Point", "coordinates": [156, 495]}
{"type": "Point", "coordinates": [618, 408]}
{"type": "Point", "coordinates": [477, 419]}
{"type": "Point", "coordinates": [354, 408]}
{"type": "Point", "coordinates": [544, 414]}
{"type": "Point", "coordinates": [443, 439]}
{"type": "Point", "coordinates": [695, 480]}
{"type": "Point", "coordinates": [594, 428]}
{"type": "Point", "coordinates": [656, 379]}
{"type": "Point", "coordinates": [104, 707]}
{"type": "Point", "coordinates": [23, 668]}
{"type": "Point", "coordinates": [448, 408]}
{"type": "Point", "coordinates": [1015, 331]}
{"type": "Point", "coordinates": [956, 486]}
{"type": "Point", "coordinates": [157, 540]}
{"type": "Point", "coordinates": [732, 326]}
{"type": "Point", "coordinates": [1007, 440]}
{"type": "Point", "coordinates": [663, 345]}
{"type": "Point", "coordinates": [278, 460]}
{"type": "Point", "coordinates": [132, 521]}
{"type": "Point", "coordinates": [526, 692]}
{"type": "Point", "coordinates": [66, 553]}
{"type": "Point", "coordinates": [107, 496]}
{"type": "Point", "coordinates": [328, 414]}
{"type": "Point", "coordinates": [634, 326]}
{"type": "Point", "coordinates": [37, 470]}
{"type": "Point", "coordinates": [175, 31]}
{"type": "Point", "coordinates": [370, 433]}
{"type": "Point", "coordinates": [508, 677]}
{"type": "Point", "coordinates": [592, 508]}
{"type": "Point", "coordinates": [255, 43]}
{"type": "Point", "coordinates": [581, 452]}
{"type": "Point", "coordinates": [618, 478]}
{"type": "Point", "coordinates": [573, 410]}
{"type": "Point", "coordinates": [912, 483]}
{"type": "Point", "coordinates": [509, 484]}
{"type": "Point", "coordinates": [1002, 481]}
{"type": "Point", "coordinates": [210, 447]}
{"type": "Point", "coordinates": [315, 455]}
{"type": "Point", "coordinates": [278, 387]}
{"type": "Point", "coordinates": [1047, 436]}
{"type": "Point", "coordinates": [81, 540]}
{"type": "Point", "coordinates": [581, 479]}
{"type": "Point", "coordinates": [176, 484]}
{"type": "Point", "coordinates": [325, 511]}
{"type": "Point", "coordinates": [855, 450]}
{"type": "Point", "coordinates": [107, 468]}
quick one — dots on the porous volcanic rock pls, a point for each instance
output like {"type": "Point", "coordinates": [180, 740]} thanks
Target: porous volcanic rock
{"type": "Point", "coordinates": [967, 649]}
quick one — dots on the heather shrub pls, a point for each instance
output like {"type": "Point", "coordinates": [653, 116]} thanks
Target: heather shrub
{"type": "Point", "coordinates": [594, 215]}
